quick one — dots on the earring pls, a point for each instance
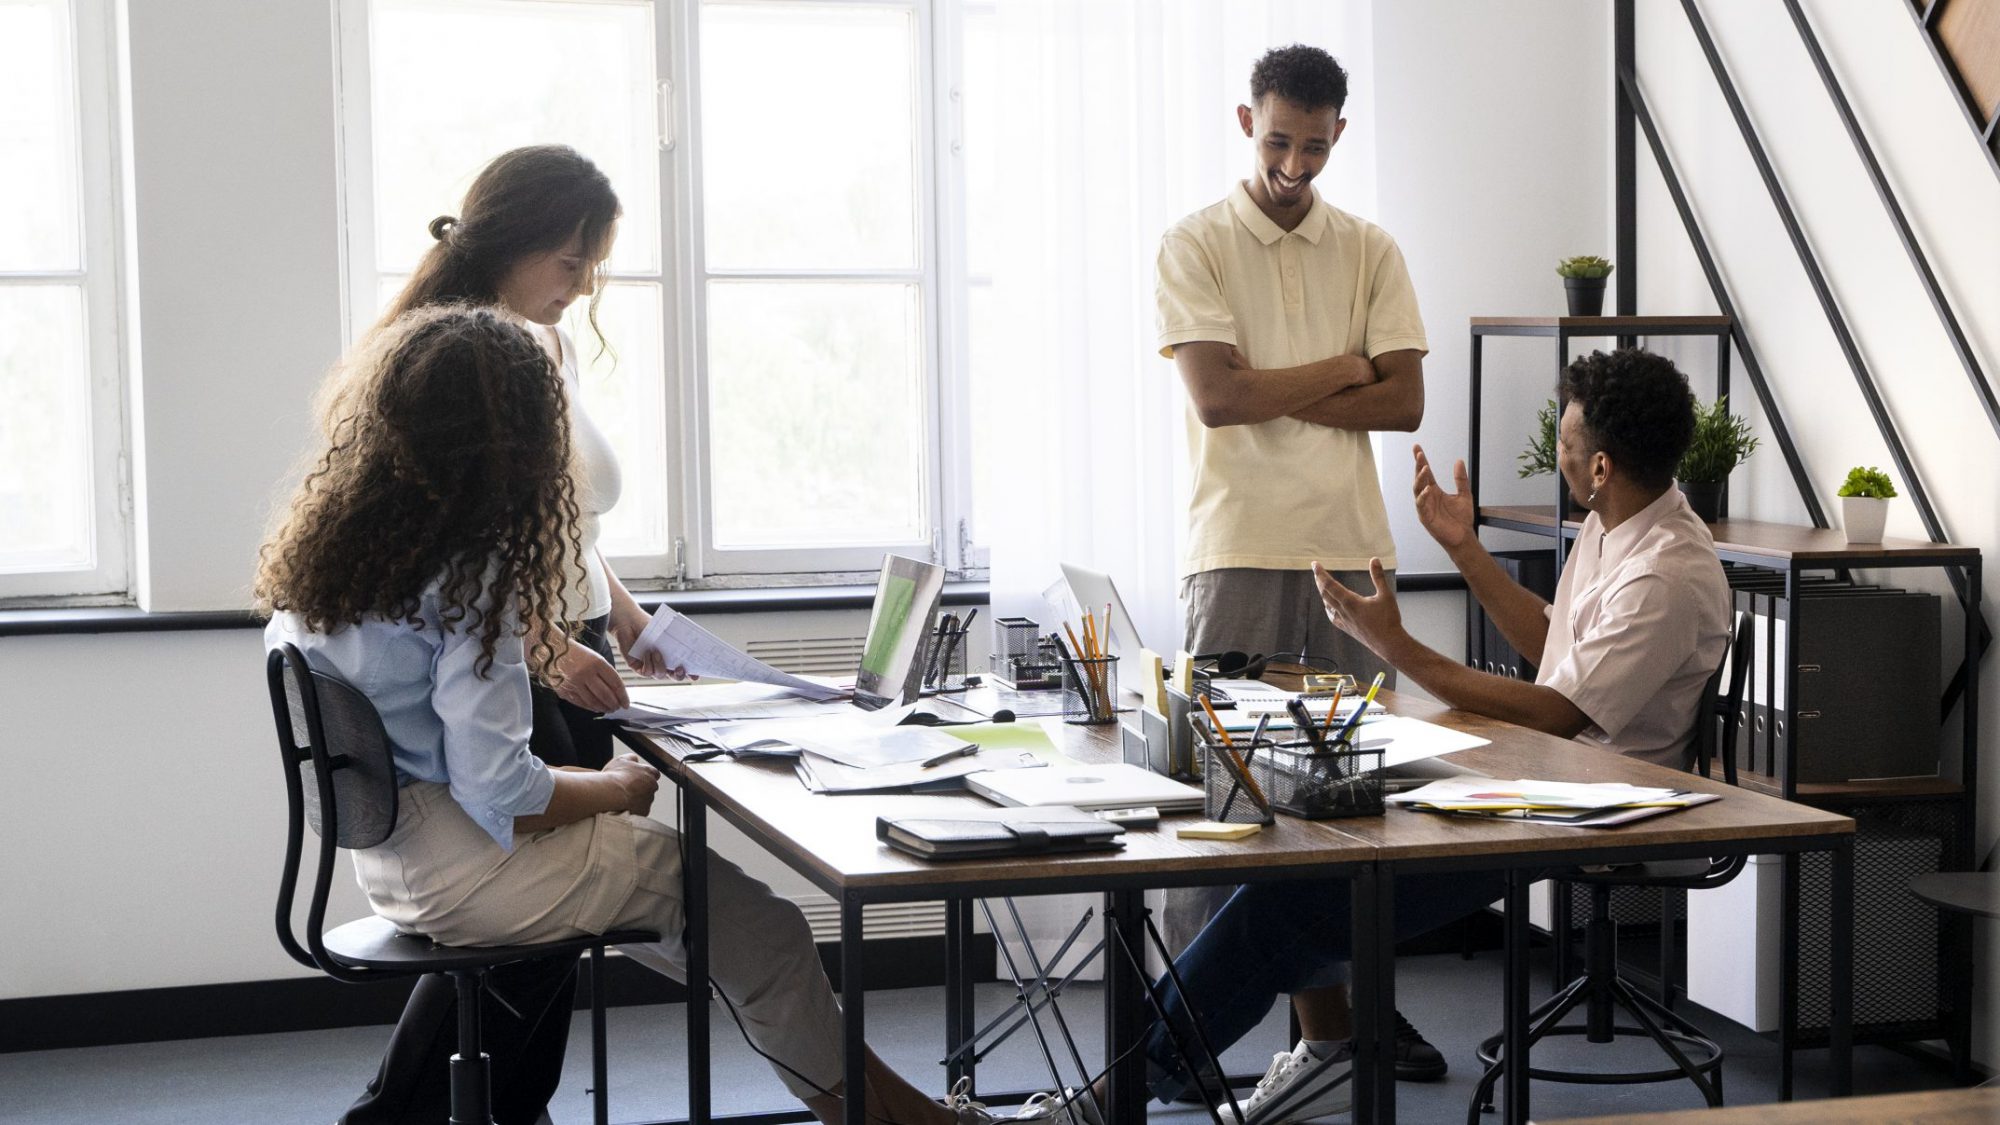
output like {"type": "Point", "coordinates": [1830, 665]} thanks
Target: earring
{"type": "Point", "coordinates": [1592, 498]}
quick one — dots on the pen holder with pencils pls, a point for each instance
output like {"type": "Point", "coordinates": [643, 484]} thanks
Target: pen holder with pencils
{"type": "Point", "coordinates": [1319, 784]}
{"type": "Point", "coordinates": [1090, 689]}
{"type": "Point", "coordinates": [1226, 798]}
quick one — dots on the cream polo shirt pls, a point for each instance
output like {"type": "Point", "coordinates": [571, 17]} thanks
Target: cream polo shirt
{"type": "Point", "coordinates": [1640, 621]}
{"type": "Point", "coordinates": [1279, 495]}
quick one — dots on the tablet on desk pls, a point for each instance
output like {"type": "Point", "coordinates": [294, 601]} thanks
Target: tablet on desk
{"type": "Point", "coordinates": [1112, 786]}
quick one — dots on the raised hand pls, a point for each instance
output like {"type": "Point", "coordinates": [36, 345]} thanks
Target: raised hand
{"type": "Point", "coordinates": [1448, 516]}
{"type": "Point", "coordinates": [1374, 620]}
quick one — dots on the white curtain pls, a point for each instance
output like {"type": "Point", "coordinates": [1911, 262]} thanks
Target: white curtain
{"type": "Point", "coordinates": [1116, 118]}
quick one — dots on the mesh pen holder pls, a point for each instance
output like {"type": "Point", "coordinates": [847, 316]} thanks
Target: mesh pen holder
{"type": "Point", "coordinates": [1319, 785]}
{"type": "Point", "coordinates": [1090, 690]}
{"type": "Point", "coordinates": [1225, 799]}
{"type": "Point", "coordinates": [944, 660]}
{"type": "Point", "coordinates": [1014, 638]}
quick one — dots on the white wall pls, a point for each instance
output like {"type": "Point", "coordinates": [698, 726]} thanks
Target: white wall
{"type": "Point", "coordinates": [1953, 200]}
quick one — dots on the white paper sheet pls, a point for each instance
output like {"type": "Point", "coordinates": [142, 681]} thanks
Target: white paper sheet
{"type": "Point", "coordinates": [682, 643]}
{"type": "Point", "coordinates": [1412, 740]}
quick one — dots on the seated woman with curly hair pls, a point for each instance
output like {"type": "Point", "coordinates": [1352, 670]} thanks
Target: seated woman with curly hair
{"type": "Point", "coordinates": [430, 537]}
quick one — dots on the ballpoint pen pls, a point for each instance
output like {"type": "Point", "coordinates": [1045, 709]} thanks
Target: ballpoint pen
{"type": "Point", "coordinates": [965, 751]}
{"type": "Point", "coordinates": [1360, 708]}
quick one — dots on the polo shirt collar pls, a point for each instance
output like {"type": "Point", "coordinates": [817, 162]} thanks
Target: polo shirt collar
{"type": "Point", "coordinates": [1253, 218]}
{"type": "Point", "coordinates": [1621, 540]}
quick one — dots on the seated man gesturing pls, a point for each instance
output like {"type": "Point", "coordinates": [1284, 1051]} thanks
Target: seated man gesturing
{"type": "Point", "coordinates": [1640, 620]}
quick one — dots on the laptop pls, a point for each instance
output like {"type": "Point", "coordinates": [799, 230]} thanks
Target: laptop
{"type": "Point", "coordinates": [1092, 590]}
{"type": "Point", "coordinates": [906, 606]}
{"type": "Point", "coordinates": [1114, 785]}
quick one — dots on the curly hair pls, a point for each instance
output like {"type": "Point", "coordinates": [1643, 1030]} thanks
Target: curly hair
{"type": "Point", "coordinates": [446, 460]}
{"type": "Point", "coordinates": [1637, 407]}
{"type": "Point", "coordinates": [526, 201]}
{"type": "Point", "coordinates": [1304, 75]}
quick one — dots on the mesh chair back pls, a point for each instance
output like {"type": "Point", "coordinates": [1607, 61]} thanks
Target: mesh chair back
{"type": "Point", "coordinates": [364, 776]}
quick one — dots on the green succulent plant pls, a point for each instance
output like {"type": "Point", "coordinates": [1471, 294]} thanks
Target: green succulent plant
{"type": "Point", "coordinates": [1870, 481]}
{"type": "Point", "coordinates": [1540, 456]}
{"type": "Point", "coordinates": [1584, 265]}
{"type": "Point", "coordinates": [1721, 442]}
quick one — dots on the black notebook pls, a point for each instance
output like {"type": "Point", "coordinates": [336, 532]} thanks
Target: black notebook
{"type": "Point", "coordinates": [1026, 832]}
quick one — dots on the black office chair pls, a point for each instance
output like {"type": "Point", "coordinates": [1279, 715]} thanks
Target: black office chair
{"type": "Point", "coordinates": [1600, 990]}
{"type": "Point", "coordinates": [342, 782]}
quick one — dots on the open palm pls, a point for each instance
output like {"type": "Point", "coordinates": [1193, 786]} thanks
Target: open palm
{"type": "Point", "coordinates": [1446, 515]}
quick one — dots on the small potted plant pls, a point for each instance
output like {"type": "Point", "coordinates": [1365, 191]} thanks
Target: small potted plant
{"type": "Point", "coordinates": [1864, 503]}
{"type": "Point", "coordinates": [1721, 442]}
{"type": "Point", "coordinates": [1540, 456]}
{"type": "Point", "coordinates": [1583, 278]}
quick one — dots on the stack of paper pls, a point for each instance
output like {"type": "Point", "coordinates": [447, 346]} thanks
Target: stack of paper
{"type": "Point", "coordinates": [1554, 802]}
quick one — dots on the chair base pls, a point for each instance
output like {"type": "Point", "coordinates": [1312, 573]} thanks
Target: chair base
{"type": "Point", "coordinates": [1696, 1057]}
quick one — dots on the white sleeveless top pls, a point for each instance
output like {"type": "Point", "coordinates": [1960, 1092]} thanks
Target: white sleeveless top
{"type": "Point", "coordinates": [598, 484]}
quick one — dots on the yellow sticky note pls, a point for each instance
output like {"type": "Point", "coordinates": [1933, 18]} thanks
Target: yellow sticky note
{"type": "Point", "coordinates": [1216, 830]}
{"type": "Point", "coordinates": [1150, 684]}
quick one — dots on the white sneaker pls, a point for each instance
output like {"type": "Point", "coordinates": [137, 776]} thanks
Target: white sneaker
{"type": "Point", "coordinates": [969, 1112]}
{"type": "Point", "coordinates": [1071, 1107]}
{"type": "Point", "coordinates": [1299, 1087]}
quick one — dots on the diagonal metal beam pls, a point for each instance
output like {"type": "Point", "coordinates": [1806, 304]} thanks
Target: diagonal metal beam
{"type": "Point", "coordinates": [1982, 388]}
{"type": "Point", "coordinates": [1739, 338]}
{"type": "Point", "coordinates": [1816, 277]}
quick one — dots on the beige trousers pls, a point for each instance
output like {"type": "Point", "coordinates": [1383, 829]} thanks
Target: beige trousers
{"type": "Point", "coordinates": [440, 875]}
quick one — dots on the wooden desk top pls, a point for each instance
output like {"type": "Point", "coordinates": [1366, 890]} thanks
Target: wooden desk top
{"type": "Point", "coordinates": [1979, 1106]}
{"type": "Point", "coordinates": [831, 839]}
{"type": "Point", "coordinates": [1516, 752]}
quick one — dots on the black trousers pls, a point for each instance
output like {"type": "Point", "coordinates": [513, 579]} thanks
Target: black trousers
{"type": "Point", "coordinates": [524, 1021]}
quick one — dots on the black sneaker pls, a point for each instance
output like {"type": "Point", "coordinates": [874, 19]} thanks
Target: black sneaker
{"type": "Point", "coordinates": [1416, 1059]}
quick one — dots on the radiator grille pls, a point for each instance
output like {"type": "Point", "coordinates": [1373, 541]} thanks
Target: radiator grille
{"type": "Point", "coordinates": [884, 920]}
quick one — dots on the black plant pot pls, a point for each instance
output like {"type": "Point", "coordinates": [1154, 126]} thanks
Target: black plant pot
{"type": "Point", "coordinates": [1705, 497]}
{"type": "Point", "coordinates": [1586, 295]}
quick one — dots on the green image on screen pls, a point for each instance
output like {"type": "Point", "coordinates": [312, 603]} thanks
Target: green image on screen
{"type": "Point", "coordinates": [898, 595]}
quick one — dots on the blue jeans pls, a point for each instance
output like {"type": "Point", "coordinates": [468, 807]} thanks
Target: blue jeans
{"type": "Point", "coordinates": [1271, 939]}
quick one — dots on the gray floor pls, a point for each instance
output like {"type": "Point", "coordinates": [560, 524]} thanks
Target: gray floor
{"type": "Point", "coordinates": [310, 1076]}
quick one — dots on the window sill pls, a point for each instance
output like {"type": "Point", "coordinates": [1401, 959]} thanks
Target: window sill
{"type": "Point", "coordinates": [130, 619]}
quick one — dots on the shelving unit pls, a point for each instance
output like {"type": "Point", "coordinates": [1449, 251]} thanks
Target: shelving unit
{"type": "Point", "coordinates": [1939, 805]}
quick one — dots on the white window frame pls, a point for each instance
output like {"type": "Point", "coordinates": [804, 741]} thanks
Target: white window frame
{"type": "Point", "coordinates": [939, 276]}
{"type": "Point", "coordinates": [95, 94]}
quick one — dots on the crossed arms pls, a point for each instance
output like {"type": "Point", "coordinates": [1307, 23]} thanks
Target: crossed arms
{"type": "Point", "coordinates": [1347, 392]}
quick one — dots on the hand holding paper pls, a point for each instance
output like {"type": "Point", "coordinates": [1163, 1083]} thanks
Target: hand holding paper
{"type": "Point", "coordinates": [680, 643]}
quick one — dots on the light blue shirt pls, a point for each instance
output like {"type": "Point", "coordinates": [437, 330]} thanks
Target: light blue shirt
{"type": "Point", "coordinates": [445, 722]}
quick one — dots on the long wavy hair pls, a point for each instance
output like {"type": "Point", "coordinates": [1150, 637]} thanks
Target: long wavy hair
{"type": "Point", "coordinates": [445, 461]}
{"type": "Point", "coordinates": [527, 201]}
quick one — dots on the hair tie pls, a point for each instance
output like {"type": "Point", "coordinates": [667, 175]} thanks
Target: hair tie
{"type": "Point", "coordinates": [442, 226]}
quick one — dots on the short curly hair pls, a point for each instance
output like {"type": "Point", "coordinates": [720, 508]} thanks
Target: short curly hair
{"type": "Point", "coordinates": [1304, 75]}
{"type": "Point", "coordinates": [1637, 407]}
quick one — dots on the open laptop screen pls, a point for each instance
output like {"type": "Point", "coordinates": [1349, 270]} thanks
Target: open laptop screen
{"type": "Point", "coordinates": [906, 604]}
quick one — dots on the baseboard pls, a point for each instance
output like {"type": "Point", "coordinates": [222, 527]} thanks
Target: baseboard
{"type": "Point", "coordinates": [148, 1015]}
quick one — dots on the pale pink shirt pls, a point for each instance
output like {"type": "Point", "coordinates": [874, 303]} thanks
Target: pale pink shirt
{"type": "Point", "coordinates": [1640, 621]}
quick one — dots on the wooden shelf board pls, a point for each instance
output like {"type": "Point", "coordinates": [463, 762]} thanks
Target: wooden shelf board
{"type": "Point", "coordinates": [1835, 792]}
{"type": "Point", "coordinates": [1765, 540]}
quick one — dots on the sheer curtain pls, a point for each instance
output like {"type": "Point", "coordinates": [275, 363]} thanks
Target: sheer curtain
{"type": "Point", "coordinates": [1116, 118]}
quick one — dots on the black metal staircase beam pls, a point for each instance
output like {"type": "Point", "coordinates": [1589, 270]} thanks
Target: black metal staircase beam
{"type": "Point", "coordinates": [1967, 358]}
{"type": "Point", "coordinates": [1739, 338]}
{"type": "Point", "coordinates": [1816, 277]}
{"type": "Point", "coordinates": [1870, 393]}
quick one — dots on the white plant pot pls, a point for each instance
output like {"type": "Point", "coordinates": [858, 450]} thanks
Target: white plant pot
{"type": "Point", "coordinates": [1863, 517]}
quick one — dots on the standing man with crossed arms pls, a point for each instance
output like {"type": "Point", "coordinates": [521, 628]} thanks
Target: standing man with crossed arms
{"type": "Point", "coordinates": [1295, 330]}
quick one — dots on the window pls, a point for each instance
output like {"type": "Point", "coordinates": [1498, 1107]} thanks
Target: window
{"type": "Point", "coordinates": [787, 382]}
{"type": "Point", "coordinates": [63, 510]}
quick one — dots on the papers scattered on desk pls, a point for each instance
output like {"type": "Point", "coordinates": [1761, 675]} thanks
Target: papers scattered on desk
{"type": "Point", "coordinates": [1409, 740]}
{"type": "Point", "coordinates": [1549, 802]}
{"type": "Point", "coordinates": [682, 643]}
{"type": "Point", "coordinates": [1255, 697]}
{"type": "Point", "coordinates": [824, 775]}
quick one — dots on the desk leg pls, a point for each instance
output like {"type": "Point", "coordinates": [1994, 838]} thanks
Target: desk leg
{"type": "Point", "coordinates": [1788, 970]}
{"type": "Point", "coordinates": [694, 936]}
{"type": "Point", "coordinates": [853, 1039]}
{"type": "Point", "coordinates": [1514, 1051]}
{"type": "Point", "coordinates": [1840, 1029]}
{"type": "Point", "coordinates": [958, 1005]}
{"type": "Point", "coordinates": [1374, 994]}
{"type": "Point", "coordinates": [1126, 1016]}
